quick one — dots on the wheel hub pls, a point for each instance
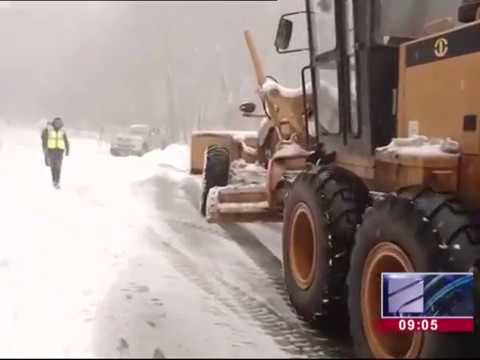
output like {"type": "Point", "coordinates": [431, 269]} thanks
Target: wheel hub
{"type": "Point", "coordinates": [385, 257]}
{"type": "Point", "coordinates": [303, 246]}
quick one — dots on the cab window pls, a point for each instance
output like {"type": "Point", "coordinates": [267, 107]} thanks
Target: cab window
{"type": "Point", "coordinates": [322, 18]}
{"type": "Point", "coordinates": [407, 19]}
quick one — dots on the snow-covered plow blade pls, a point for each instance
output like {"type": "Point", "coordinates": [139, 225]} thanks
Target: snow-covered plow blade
{"type": "Point", "coordinates": [240, 203]}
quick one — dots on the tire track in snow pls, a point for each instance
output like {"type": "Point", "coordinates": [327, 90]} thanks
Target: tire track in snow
{"type": "Point", "coordinates": [271, 267]}
{"type": "Point", "coordinates": [192, 272]}
{"type": "Point", "coordinates": [265, 261]}
{"type": "Point", "coordinates": [261, 256]}
{"type": "Point", "coordinates": [296, 337]}
{"type": "Point", "coordinates": [291, 334]}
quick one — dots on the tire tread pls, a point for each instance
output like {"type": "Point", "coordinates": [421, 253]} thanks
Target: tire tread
{"type": "Point", "coordinates": [216, 172]}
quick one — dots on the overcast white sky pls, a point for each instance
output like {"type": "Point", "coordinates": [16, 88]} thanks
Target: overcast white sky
{"type": "Point", "coordinates": [176, 64]}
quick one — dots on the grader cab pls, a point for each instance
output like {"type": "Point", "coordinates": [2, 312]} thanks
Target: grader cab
{"type": "Point", "coordinates": [386, 175]}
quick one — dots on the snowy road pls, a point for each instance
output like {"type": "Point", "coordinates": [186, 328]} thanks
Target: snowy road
{"type": "Point", "coordinates": [120, 263]}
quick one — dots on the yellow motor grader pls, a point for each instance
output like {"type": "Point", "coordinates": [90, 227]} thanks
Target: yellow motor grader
{"type": "Point", "coordinates": [377, 164]}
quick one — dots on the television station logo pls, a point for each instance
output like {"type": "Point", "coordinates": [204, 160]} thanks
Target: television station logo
{"type": "Point", "coordinates": [427, 295]}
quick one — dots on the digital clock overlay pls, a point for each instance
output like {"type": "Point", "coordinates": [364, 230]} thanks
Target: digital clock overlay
{"type": "Point", "coordinates": [427, 302]}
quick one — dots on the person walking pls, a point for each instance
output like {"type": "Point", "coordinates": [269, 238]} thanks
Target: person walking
{"type": "Point", "coordinates": [55, 144]}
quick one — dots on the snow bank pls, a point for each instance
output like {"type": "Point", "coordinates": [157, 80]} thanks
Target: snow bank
{"type": "Point", "coordinates": [174, 155]}
{"type": "Point", "coordinates": [57, 254]}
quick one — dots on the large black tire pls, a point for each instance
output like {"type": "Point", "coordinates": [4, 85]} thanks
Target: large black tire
{"type": "Point", "coordinates": [322, 210]}
{"type": "Point", "coordinates": [215, 173]}
{"type": "Point", "coordinates": [429, 232]}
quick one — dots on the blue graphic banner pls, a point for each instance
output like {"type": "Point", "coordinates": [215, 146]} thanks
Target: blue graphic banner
{"type": "Point", "coordinates": [427, 295]}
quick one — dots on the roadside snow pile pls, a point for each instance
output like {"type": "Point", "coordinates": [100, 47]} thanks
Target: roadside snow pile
{"type": "Point", "coordinates": [175, 155]}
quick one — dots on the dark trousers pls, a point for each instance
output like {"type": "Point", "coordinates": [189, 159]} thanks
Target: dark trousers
{"type": "Point", "coordinates": [55, 158]}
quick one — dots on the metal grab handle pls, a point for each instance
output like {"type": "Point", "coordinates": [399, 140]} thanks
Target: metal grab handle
{"type": "Point", "coordinates": [304, 93]}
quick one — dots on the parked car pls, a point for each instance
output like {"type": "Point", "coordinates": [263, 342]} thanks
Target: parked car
{"type": "Point", "coordinates": [138, 139]}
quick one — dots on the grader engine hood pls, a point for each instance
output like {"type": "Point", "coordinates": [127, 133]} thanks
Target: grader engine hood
{"type": "Point", "coordinates": [438, 96]}
{"type": "Point", "coordinates": [439, 87]}
{"type": "Point", "coordinates": [418, 160]}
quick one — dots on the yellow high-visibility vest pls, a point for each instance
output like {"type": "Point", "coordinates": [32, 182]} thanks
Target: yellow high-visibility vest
{"type": "Point", "coordinates": [56, 139]}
